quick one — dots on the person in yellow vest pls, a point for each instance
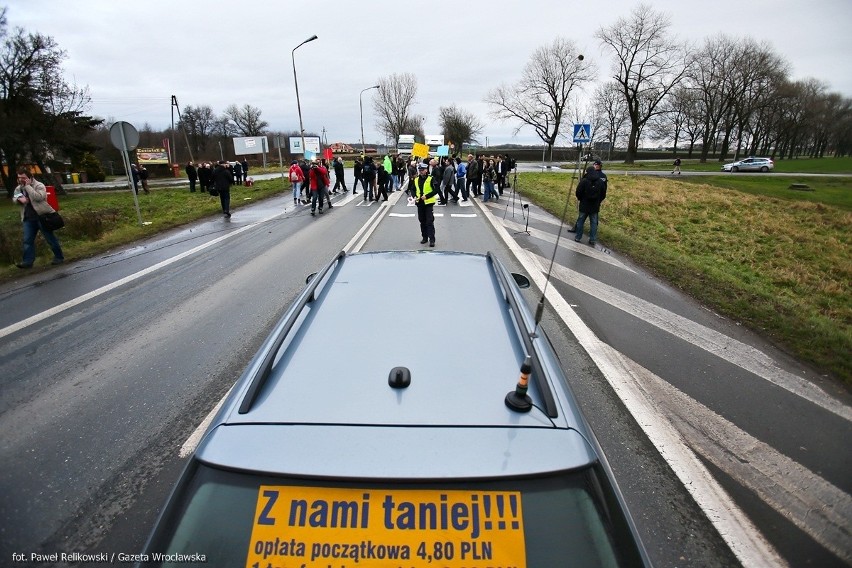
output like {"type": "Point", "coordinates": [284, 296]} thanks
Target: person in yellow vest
{"type": "Point", "coordinates": [424, 198]}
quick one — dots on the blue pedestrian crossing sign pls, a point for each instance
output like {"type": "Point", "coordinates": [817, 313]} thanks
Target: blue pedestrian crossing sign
{"type": "Point", "coordinates": [582, 133]}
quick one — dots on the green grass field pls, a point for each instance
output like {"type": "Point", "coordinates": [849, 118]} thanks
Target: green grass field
{"type": "Point", "coordinates": [772, 258]}
{"type": "Point", "coordinates": [745, 245]}
{"type": "Point", "coordinates": [796, 165]}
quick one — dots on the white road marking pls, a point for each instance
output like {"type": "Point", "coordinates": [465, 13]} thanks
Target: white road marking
{"type": "Point", "coordinates": [567, 243]}
{"type": "Point", "coordinates": [735, 528]}
{"type": "Point", "coordinates": [121, 282]}
{"type": "Point", "coordinates": [192, 442]}
{"type": "Point", "coordinates": [816, 506]}
{"type": "Point", "coordinates": [356, 242]}
{"type": "Point", "coordinates": [719, 344]}
{"type": "Point", "coordinates": [464, 215]}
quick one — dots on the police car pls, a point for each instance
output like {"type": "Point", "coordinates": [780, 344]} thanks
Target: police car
{"type": "Point", "coordinates": [457, 444]}
{"type": "Point", "coordinates": [750, 165]}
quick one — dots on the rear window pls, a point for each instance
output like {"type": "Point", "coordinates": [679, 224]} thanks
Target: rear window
{"type": "Point", "coordinates": [233, 519]}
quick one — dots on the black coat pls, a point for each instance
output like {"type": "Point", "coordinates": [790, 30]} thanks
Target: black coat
{"type": "Point", "coordinates": [222, 178]}
{"type": "Point", "coordinates": [204, 176]}
{"type": "Point", "coordinates": [593, 182]}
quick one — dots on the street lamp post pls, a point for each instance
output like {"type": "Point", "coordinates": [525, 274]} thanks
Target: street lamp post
{"type": "Point", "coordinates": [296, 81]}
{"type": "Point", "coordinates": [361, 106]}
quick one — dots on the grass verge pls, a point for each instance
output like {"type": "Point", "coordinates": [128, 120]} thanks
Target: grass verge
{"type": "Point", "coordinates": [774, 259]}
{"type": "Point", "coordinates": [99, 221]}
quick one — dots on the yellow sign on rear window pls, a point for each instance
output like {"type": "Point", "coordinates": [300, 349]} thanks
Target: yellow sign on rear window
{"type": "Point", "coordinates": [315, 527]}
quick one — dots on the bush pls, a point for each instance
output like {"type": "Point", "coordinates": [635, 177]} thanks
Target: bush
{"type": "Point", "coordinates": [90, 165]}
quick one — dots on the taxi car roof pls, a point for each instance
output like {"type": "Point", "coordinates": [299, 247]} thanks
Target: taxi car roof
{"type": "Point", "coordinates": [443, 316]}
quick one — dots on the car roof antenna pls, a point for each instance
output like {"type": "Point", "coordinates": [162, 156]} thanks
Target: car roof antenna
{"type": "Point", "coordinates": [518, 399]}
{"type": "Point", "coordinates": [539, 309]}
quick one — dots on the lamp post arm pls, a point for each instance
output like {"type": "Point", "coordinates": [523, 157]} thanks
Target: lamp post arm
{"type": "Point", "coordinates": [298, 103]}
{"type": "Point", "coordinates": [361, 107]}
{"type": "Point", "coordinates": [296, 82]}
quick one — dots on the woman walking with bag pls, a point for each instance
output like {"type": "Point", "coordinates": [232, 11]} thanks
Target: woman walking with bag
{"type": "Point", "coordinates": [32, 195]}
{"type": "Point", "coordinates": [297, 180]}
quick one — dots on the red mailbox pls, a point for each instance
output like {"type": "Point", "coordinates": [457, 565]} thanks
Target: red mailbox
{"type": "Point", "coordinates": [51, 197]}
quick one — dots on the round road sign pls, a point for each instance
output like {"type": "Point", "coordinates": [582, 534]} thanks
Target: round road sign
{"type": "Point", "coordinates": [124, 136]}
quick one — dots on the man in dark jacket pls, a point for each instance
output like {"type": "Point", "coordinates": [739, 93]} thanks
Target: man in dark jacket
{"type": "Point", "coordinates": [192, 174]}
{"type": "Point", "coordinates": [474, 175]}
{"type": "Point", "coordinates": [448, 182]}
{"type": "Point", "coordinates": [501, 169]}
{"type": "Point", "coordinates": [222, 180]}
{"type": "Point", "coordinates": [356, 170]}
{"type": "Point", "coordinates": [368, 179]}
{"type": "Point", "coordinates": [143, 178]}
{"type": "Point", "coordinates": [591, 191]}
{"type": "Point", "coordinates": [204, 176]}
{"type": "Point", "coordinates": [339, 176]}
{"type": "Point", "coordinates": [383, 179]}
{"type": "Point", "coordinates": [134, 174]}
{"type": "Point", "coordinates": [306, 172]}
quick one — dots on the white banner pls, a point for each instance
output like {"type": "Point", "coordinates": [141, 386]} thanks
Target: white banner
{"type": "Point", "coordinates": [312, 144]}
{"type": "Point", "coordinates": [250, 145]}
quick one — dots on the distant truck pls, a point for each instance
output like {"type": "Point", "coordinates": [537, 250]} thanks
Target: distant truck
{"type": "Point", "coordinates": [405, 144]}
{"type": "Point", "coordinates": [433, 141]}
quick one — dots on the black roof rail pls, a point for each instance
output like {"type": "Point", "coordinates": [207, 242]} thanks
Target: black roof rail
{"type": "Point", "coordinates": [266, 366]}
{"type": "Point", "coordinates": [526, 337]}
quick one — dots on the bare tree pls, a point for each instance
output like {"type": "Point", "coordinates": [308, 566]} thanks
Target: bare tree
{"type": "Point", "coordinates": [247, 121]}
{"type": "Point", "coordinates": [392, 105]}
{"type": "Point", "coordinates": [610, 114]}
{"type": "Point", "coordinates": [686, 102]}
{"type": "Point", "coordinates": [540, 99]}
{"type": "Point", "coordinates": [711, 78]}
{"type": "Point", "coordinates": [676, 119]}
{"type": "Point", "coordinates": [648, 65]}
{"type": "Point", "coordinates": [836, 122]}
{"type": "Point", "coordinates": [758, 73]}
{"type": "Point", "coordinates": [840, 139]}
{"type": "Point", "coordinates": [198, 123]}
{"type": "Point", "coordinates": [459, 126]}
{"type": "Point", "coordinates": [414, 125]}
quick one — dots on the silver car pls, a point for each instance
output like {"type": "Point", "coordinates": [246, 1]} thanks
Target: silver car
{"type": "Point", "coordinates": [750, 165]}
{"type": "Point", "coordinates": [425, 429]}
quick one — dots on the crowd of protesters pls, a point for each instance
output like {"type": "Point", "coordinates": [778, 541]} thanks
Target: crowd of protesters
{"type": "Point", "coordinates": [202, 174]}
{"type": "Point", "coordinates": [453, 178]}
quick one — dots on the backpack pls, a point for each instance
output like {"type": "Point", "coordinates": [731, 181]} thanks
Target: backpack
{"type": "Point", "coordinates": [593, 192]}
{"type": "Point", "coordinates": [294, 176]}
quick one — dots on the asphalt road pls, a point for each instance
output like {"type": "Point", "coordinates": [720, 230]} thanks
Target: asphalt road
{"type": "Point", "coordinates": [728, 452]}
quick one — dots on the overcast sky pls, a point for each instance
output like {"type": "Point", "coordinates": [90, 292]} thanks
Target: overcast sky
{"type": "Point", "coordinates": [134, 55]}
